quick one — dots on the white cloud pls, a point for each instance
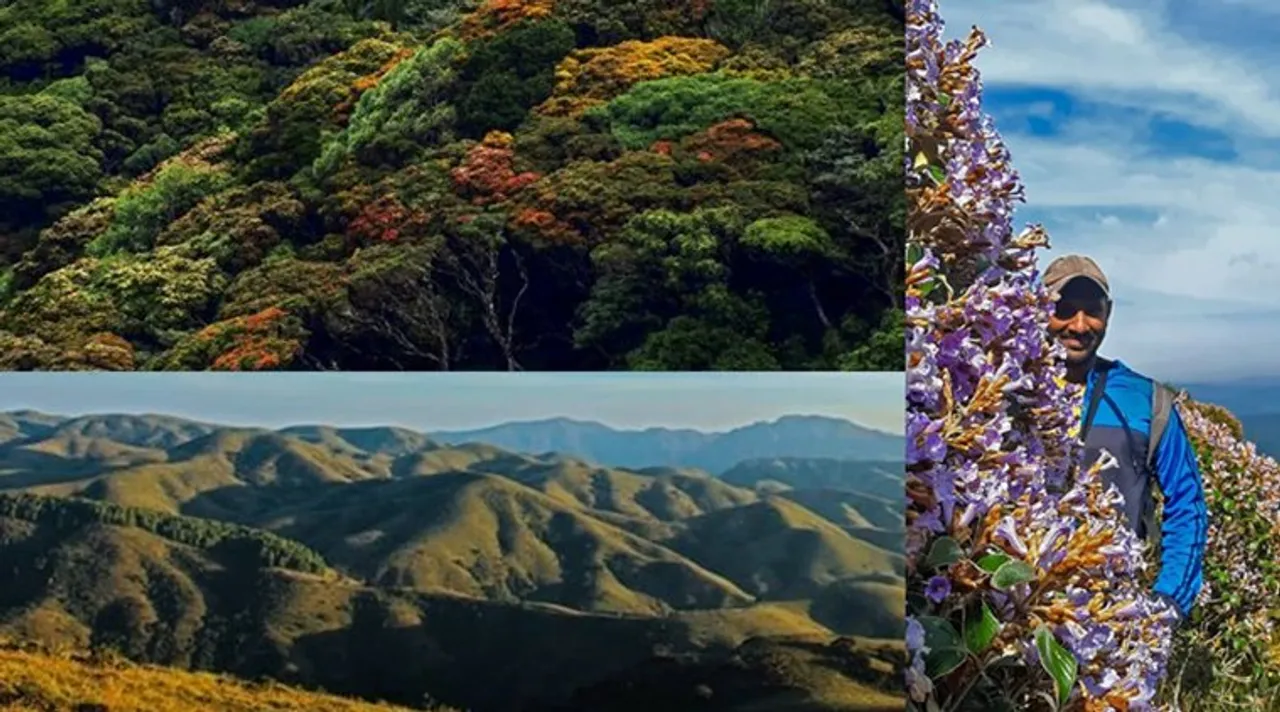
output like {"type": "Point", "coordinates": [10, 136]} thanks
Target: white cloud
{"type": "Point", "coordinates": [1214, 237]}
{"type": "Point", "coordinates": [1130, 56]}
{"type": "Point", "coordinates": [1190, 243]}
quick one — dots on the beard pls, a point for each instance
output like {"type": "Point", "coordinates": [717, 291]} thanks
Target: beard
{"type": "Point", "coordinates": [1081, 348]}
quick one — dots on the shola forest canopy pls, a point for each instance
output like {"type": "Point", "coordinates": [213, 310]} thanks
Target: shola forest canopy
{"type": "Point", "coordinates": [451, 184]}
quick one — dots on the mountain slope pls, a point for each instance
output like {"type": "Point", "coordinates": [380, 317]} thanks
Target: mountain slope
{"type": "Point", "coordinates": [34, 680]}
{"type": "Point", "coordinates": [488, 537]}
{"type": "Point", "coordinates": [489, 579]}
{"type": "Point", "coordinates": [774, 675]}
{"type": "Point", "coordinates": [778, 550]}
{"type": "Point", "coordinates": [142, 431]}
{"type": "Point", "coordinates": [19, 424]}
{"type": "Point", "coordinates": [878, 478]}
{"type": "Point", "coordinates": [159, 600]}
{"type": "Point", "coordinates": [665, 495]}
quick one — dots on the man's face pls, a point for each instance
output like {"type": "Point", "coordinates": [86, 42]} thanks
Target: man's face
{"type": "Point", "coordinates": [1079, 320]}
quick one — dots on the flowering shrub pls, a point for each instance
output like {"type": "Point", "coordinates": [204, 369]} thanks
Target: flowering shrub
{"type": "Point", "coordinates": [488, 173]}
{"type": "Point", "coordinates": [590, 77]}
{"type": "Point", "coordinates": [1025, 589]}
{"type": "Point", "coordinates": [109, 352]}
{"type": "Point", "coordinates": [496, 15]}
{"type": "Point", "coordinates": [1229, 657]}
{"type": "Point", "coordinates": [268, 340]}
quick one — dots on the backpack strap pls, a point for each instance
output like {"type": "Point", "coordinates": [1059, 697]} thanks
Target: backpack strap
{"type": "Point", "coordinates": [1095, 398]}
{"type": "Point", "coordinates": [1161, 411]}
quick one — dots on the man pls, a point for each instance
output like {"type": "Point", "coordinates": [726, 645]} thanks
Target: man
{"type": "Point", "coordinates": [1132, 417]}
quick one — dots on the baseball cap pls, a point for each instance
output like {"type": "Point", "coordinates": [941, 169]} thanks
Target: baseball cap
{"type": "Point", "coordinates": [1068, 267]}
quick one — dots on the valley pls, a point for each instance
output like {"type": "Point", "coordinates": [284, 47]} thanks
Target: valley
{"type": "Point", "coordinates": [388, 565]}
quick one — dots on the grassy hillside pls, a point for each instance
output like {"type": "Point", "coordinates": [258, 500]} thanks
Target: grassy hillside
{"type": "Point", "coordinates": [461, 184]}
{"type": "Point", "coordinates": [485, 579]}
{"type": "Point", "coordinates": [778, 550]}
{"type": "Point", "coordinates": [34, 680]}
{"type": "Point", "coordinates": [489, 537]}
{"type": "Point", "coordinates": [109, 587]}
{"type": "Point", "coordinates": [878, 477]}
{"type": "Point", "coordinates": [762, 675]}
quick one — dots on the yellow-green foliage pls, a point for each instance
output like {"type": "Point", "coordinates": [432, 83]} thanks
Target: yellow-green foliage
{"type": "Point", "coordinates": [164, 290]}
{"type": "Point", "coordinates": [590, 77]}
{"type": "Point", "coordinates": [142, 211]}
{"type": "Point", "coordinates": [297, 286]}
{"type": "Point", "coordinates": [403, 114]}
{"type": "Point", "coordinates": [855, 52]}
{"type": "Point", "coordinates": [63, 305]}
{"type": "Point", "coordinates": [318, 102]}
{"type": "Point", "coordinates": [239, 227]}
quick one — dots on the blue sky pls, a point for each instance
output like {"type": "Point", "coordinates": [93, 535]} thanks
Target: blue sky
{"type": "Point", "coordinates": [1147, 133]}
{"type": "Point", "coordinates": [428, 401]}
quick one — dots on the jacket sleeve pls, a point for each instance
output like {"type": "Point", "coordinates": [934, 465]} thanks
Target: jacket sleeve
{"type": "Point", "coordinates": [1185, 522]}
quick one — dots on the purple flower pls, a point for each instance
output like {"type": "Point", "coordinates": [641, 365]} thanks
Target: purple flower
{"type": "Point", "coordinates": [915, 635]}
{"type": "Point", "coordinates": [938, 589]}
{"type": "Point", "coordinates": [981, 368]}
{"type": "Point", "coordinates": [918, 683]}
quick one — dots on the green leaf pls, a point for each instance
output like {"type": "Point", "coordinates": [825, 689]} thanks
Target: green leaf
{"type": "Point", "coordinates": [992, 562]}
{"type": "Point", "coordinates": [946, 648]}
{"type": "Point", "coordinates": [939, 176]}
{"type": "Point", "coordinates": [917, 604]}
{"type": "Point", "coordinates": [944, 552]}
{"type": "Point", "coordinates": [944, 99]}
{"type": "Point", "coordinates": [915, 253]}
{"type": "Point", "coordinates": [981, 630]}
{"type": "Point", "coordinates": [1012, 573]}
{"type": "Point", "coordinates": [1058, 662]}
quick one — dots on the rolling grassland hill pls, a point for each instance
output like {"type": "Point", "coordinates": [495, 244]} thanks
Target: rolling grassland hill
{"type": "Point", "coordinates": [58, 681]}
{"type": "Point", "coordinates": [382, 564]}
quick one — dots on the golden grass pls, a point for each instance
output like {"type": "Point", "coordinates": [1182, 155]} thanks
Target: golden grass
{"type": "Point", "coordinates": [43, 682]}
{"type": "Point", "coordinates": [824, 688]}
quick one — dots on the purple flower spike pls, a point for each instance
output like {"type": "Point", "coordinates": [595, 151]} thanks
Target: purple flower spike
{"type": "Point", "coordinates": [990, 418]}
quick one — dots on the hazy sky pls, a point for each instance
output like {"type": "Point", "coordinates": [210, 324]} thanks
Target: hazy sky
{"type": "Point", "coordinates": [430, 401]}
{"type": "Point", "coordinates": [1148, 135]}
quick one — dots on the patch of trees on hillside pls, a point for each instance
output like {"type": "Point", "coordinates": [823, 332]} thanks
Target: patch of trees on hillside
{"type": "Point", "coordinates": [253, 547]}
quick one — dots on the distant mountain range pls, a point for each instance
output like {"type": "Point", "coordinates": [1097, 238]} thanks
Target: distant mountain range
{"type": "Point", "coordinates": [486, 577]}
{"type": "Point", "coordinates": [791, 436]}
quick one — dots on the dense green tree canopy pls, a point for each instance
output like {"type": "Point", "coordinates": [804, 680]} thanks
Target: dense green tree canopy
{"type": "Point", "coordinates": [450, 184]}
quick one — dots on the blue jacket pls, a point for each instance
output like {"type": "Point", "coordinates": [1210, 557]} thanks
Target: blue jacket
{"type": "Point", "coordinates": [1122, 425]}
